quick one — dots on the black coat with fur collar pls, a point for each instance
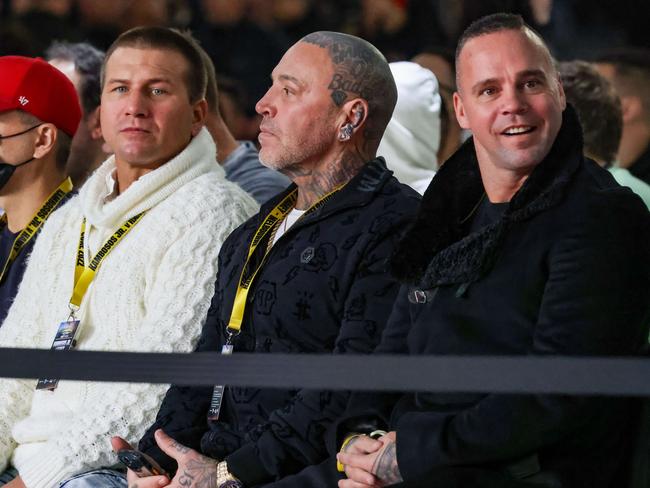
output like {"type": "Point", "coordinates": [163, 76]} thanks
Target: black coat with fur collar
{"type": "Point", "coordinates": [564, 271]}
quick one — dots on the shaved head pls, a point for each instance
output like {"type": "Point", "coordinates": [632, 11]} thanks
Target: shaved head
{"type": "Point", "coordinates": [498, 23]}
{"type": "Point", "coordinates": [360, 70]}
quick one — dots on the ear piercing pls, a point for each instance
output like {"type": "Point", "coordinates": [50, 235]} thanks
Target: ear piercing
{"type": "Point", "coordinates": [358, 115]}
{"type": "Point", "coordinates": [346, 132]}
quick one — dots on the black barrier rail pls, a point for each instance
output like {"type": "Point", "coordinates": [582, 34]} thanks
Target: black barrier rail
{"type": "Point", "coordinates": [520, 374]}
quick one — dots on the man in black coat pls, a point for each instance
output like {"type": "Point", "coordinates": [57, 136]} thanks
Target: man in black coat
{"type": "Point", "coordinates": [521, 246]}
{"type": "Point", "coordinates": [308, 274]}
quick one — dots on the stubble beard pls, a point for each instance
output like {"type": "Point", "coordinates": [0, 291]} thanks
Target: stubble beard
{"type": "Point", "coordinates": [289, 157]}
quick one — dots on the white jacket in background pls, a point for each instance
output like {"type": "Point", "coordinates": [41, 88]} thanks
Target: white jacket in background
{"type": "Point", "coordinates": [412, 138]}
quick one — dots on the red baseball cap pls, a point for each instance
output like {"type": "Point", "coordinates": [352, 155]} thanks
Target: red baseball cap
{"type": "Point", "coordinates": [34, 86]}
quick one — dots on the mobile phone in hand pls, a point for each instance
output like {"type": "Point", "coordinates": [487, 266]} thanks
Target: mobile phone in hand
{"type": "Point", "coordinates": [141, 464]}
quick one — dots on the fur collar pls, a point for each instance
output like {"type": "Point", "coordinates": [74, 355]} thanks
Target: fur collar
{"type": "Point", "coordinates": [435, 252]}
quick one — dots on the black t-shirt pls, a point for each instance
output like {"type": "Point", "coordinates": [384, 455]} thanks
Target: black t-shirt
{"type": "Point", "coordinates": [14, 275]}
{"type": "Point", "coordinates": [486, 214]}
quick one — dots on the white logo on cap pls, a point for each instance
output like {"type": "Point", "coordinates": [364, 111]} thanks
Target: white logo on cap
{"type": "Point", "coordinates": [23, 101]}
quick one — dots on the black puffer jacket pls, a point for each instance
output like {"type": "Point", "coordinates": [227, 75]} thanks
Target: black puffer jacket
{"type": "Point", "coordinates": [325, 288]}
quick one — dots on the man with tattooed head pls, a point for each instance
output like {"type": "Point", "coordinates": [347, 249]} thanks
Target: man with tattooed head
{"type": "Point", "coordinates": [306, 275]}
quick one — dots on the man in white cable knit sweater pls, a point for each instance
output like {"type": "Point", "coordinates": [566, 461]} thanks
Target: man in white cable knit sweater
{"type": "Point", "coordinates": [152, 290]}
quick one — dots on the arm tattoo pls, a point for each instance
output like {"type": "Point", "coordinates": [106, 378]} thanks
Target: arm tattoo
{"type": "Point", "coordinates": [385, 467]}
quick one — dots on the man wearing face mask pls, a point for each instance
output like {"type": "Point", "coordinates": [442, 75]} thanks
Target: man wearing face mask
{"type": "Point", "coordinates": [39, 115]}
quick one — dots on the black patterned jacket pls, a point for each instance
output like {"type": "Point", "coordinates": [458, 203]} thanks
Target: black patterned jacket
{"type": "Point", "coordinates": [324, 288]}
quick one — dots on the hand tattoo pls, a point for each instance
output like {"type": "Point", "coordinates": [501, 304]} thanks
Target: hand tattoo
{"type": "Point", "coordinates": [185, 479]}
{"type": "Point", "coordinates": [385, 467]}
{"type": "Point", "coordinates": [199, 473]}
{"type": "Point", "coordinates": [180, 447]}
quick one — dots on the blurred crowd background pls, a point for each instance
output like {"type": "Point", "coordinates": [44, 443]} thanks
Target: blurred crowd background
{"type": "Point", "coordinates": [246, 38]}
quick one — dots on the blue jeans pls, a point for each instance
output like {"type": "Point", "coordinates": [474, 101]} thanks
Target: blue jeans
{"type": "Point", "coordinates": [107, 478]}
{"type": "Point", "coordinates": [9, 474]}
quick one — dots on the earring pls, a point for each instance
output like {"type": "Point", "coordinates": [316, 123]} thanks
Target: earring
{"type": "Point", "coordinates": [346, 132]}
{"type": "Point", "coordinates": [358, 115]}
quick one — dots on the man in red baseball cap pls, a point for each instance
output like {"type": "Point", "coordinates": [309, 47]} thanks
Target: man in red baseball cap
{"type": "Point", "coordinates": [39, 115]}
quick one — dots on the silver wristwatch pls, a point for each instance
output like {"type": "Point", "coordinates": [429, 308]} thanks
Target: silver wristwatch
{"type": "Point", "coordinates": [225, 479]}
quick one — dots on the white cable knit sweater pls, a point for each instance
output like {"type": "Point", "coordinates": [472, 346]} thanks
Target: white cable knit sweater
{"type": "Point", "coordinates": [151, 293]}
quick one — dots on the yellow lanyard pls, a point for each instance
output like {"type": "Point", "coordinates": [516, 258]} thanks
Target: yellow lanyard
{"type": "Point", "coordinates": [274, 217]}
{"type": "Point", "coordinates": [26, 235]}
{"type": "Point", "coordinates": [83, 275]}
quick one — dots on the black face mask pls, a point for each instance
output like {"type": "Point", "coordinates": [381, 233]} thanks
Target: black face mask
{"type": "Point", "coordinates": [6, 170]}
